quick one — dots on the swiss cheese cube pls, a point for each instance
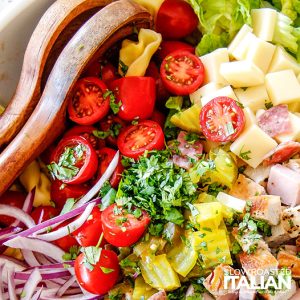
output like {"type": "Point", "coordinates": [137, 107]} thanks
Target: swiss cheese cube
{"type": "Point", "coordinates": [261, 53]}
{"type": "Point", "coordinates": [250, 117]}
{"type": "Point", "coordinates": [252, 145]}
{"type": "Point", "coordinates": [283, 87]}
{"type": "Point", "coordinates": [253, 97]}
{"type": "Point", "coordinates": [212, 62]}
{"type": "Point", "coordinates": [295, 134]}
{"type": "Point", "coordinates": [239, 37]}
{"type": "Point", "coordinates": [241, 50]}
{"type": "Point", "coordinates": [263, 22]}
{"type": "Point", "coordinates": [283, 61]}
{"type": "Point", "coordinates": [242, 73]}
{"type": "Point", "coordinates": [226, 91]}
{"type": "Point", "coordinates": [204, 91]}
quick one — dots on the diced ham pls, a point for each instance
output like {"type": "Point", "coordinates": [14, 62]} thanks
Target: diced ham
{"type": "Point", "coordinates": [282, 294]}
{"type": "Point", "coordinates": [247, 294]}
{"type": "Point", "coordinates": [275, 121]}
{"type": "Point", "coordinates": [290, 219]}
{"type": "Point", "coordinates": [161, 295]}
{"type": "Point", "coordinates": [188, 151]}
{"type": "Point", "coordinates": [244, 188]}
{"type": "Point", "coordinates": [296, 296]}
{"type": "Point", "coordinates": [285, 183]}
{"type": "Point", "coordinates": [282, 153]}
{"type": "Point", "coordinates": [230, 296]}
{"type": "Point", "coordinates": [285, 259]}
{"type": "Point", "coordinates": [266, 208]}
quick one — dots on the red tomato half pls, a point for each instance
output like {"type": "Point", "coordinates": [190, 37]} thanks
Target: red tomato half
{"type": "Point", "coordinates": [222, 120]}
{"type": "Point", "coordinates": [89, 233]}
{"type": "Point", "coordinates": [137, 95]}
{"type": "Point", "coordinates": [136, 139]}
{"type": "Point", "coordinates": [167, 47]}
{"type": "Point", "coordinates": [87, 133]}
{"type": "Point", "coordinates": [175, 19]}
{"type": "Point", "coordinates": [12, 198]}
{"type": "Point", "coordinates": [182, 72]}
{"type": "Point", "coordinates": [106, 155]}
{"type": "Point", "coordinates": [44, 213]}
{"type": "Point", "coordinates": [121, 228]}
{"type": "Point", "coordinates": [74, 160]}
{"type": "Point", "coordinates": [159, 118]}
{"type": "Point", "coordinates": [60, 192]}
{"type": "Point", "coordinates": [103, 276]}
{"type": "Point", "coordinates": [87, 105]}
{"type": "Point", "coordinates": [113, 126]}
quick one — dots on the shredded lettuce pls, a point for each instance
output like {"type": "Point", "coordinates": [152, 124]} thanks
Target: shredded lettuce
{"type": "Point", "coordinates": [220, 20]}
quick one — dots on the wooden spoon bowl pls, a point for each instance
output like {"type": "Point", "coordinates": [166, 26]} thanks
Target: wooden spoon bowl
{"type": "Point", "coordinates": [54, 30]}
{"type": "Point", "coordinates": [110, 25]}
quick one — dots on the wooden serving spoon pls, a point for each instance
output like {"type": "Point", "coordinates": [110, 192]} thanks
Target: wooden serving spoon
{"type": "Point", "coordinates": [54, 30]}
{"type": "Point", "coordinates": [111, 24]}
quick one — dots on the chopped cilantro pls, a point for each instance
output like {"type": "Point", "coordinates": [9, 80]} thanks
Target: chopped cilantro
{"type": "Point", "coordinates": [236, 248]}
{"type": "Point", "coordinates": [91, 256]}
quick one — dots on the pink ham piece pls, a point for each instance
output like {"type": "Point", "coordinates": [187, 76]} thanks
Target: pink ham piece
{"type": "Point", "coordinates": [282, 153]}
{"type": "Point", "coordinates": [187, 151]}
{"type": "Point", "coordinates": [247, 294]}
{"type": "Point", "coordinates": [275, 121]}
{"type": "Point", "coordinates": [285, 183]}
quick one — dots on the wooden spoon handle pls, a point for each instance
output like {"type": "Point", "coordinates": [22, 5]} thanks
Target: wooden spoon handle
{"type": "Point", "coordinates": [54, 30]}
{"type": "Point", "coordinates": [113, 23]}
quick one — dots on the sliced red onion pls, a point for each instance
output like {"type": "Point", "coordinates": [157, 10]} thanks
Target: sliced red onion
{"type": "Point", "coordinates": [96, 188]}
{"type": "Point", "coordinates": [12, 264]}
{"type": "Point", "coordinates": [53, 266]}
{"type": "Point", "coordinates": [37, 295]}
{"type": "Point", "coordinates": [30, 258]}
{"type": "Point", "coordinates": [27, 206]}
{"type": "Point", "coordinates": [67, 285]}
{"type": "Point", "coordinates": [38, 246]}
{"type": "Point", "coordinates": [63, 231]}
{"type": "Point", "coordinates": [49, 276]}
{"type": "Point", "coordinates": [49, 223]}
{"type": "Point", "coordinates": [43, 260]}
{"type": "Point", "coordinates": [41, 217]}
{"type": "Point", "coordinates": [11, 285]}
{"type": "Point", "coordinates": [17, 213]}
{"type": "Point", "coordinates": [9, 230]}
{"type": "Point", "coordinates": [73, 297]}
{"type": "Point", "coordinates": [1, 282]}
{"type": "Point", "coordinates": [31, 284]}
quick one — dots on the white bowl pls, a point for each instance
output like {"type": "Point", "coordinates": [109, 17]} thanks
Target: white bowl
{"type": "Point", "coordinates": [18, 19]}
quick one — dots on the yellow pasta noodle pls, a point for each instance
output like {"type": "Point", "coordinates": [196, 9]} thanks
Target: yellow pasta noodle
{"type": "Point", "coordinates": [137, 55]}
{"type": "Point", "coordinates": [151, 5]}
{"type": "Point", "coordinates": [33, 177]}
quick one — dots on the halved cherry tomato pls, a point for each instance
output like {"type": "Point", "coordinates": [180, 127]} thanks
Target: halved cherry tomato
{"type": "Point", "coordinates": [182, 72]}
{"type": "Point", "coordinates": [121, 228]}
{"type": "Point", "coordinates": [167, 47]}
{"type": "Point", "coordinates": [159, 118]}
{"type": "Point", "coordinates": [60, 192]}
{"type": "Point", "coordinates": [44, 213]}
{"type": "Point", "coordinates": [113, 126]}
{"type": "Point", "coordinates": [86, 132]}
{"type": "Point", "coordinates": [87, 104]}
{"type": "Point", "coordinates": [175, 19]}
{"type": "Point", "coordinates": [222, 120]}
{"type": "Point", "coordinates": [12, 198]}
{"type": "Point", "coordinates": [89, 233]}
{"type": "Point", "coordinates": [102, 277]}
{"type": "Point", "coordinates": [67, 241]}
{"type": "Point", "coordinates": [134, 140]}
{"type": "Point", "coordinates": [74, 160]}
{"type": "Point", "coordinates": [93, 69]}
{"type": "Point", "coordinates": [137, 95]}
{"type": "Point", "coordinates": [106, 155]}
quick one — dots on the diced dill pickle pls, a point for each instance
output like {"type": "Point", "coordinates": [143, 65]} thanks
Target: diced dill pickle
{"type": "Point", "coordinates": [172, 232]}
{"type": "Point", "coordinates": [209, 215]}
{"type": "Point", "coordinates": [158, 273]}
{"type": "Point", "coordinates": [183, 256]}
{"type": "Point", "coordinates": [142, 290]}
{"type": "Point", "coordinates": [212, 247]}
{"type": "Point", "coordinates": [188, 119]}
{"type": "Point", "coordinates": [205, 198]}
{"type": "Point", "coordinates": [151, 246]}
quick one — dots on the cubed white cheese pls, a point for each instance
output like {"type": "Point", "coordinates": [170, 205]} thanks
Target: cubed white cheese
{"type": "Point", "coordinates": [295, 134]}
{"type": "Point", "coordinates": [241, 50]}
{"type": "Point", "coordinates": [204, 91]}
{"type": "Point", "coordinates": [239, 37]}
{"type": "Point", "coordinates": [283, 87]}
{"type": "Point", "coordinates": [253, 97]}
{"type": "Point", "coordinates": [263, 22]}
{"type": "Point", "coordinates": [250, 117]}
{"type": "Point", "coordinates": [234, 203]}
{"type": "Point", "coordinates": [212, 62]}
{"type": "Point", "coordinates": [261, 53]}
{"type": "Point", "coordinates": [283, 61]}
{"type": "Point", "coordinates": [242, 73]}
{"type": "Point", "coordinates": [226, 91]}
{"type": "Point", "coordinates": [252, 146]}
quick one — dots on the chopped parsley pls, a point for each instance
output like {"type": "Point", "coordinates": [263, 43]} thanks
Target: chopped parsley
{"type": "Point", "coordinates": [68, 205]}
{"type": "Point", "coordinates": [72, 254]}
{"type": "Point", "coordinates": [114, 105]}
{"type": "Point", "coordinates": [123, 67]}
{"type": "Point", "coordinates": [245, 155]}
{"type": "Point", "coordinates": [91, 256]}
{"type": "Point", "coordinates": [268, 105]}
